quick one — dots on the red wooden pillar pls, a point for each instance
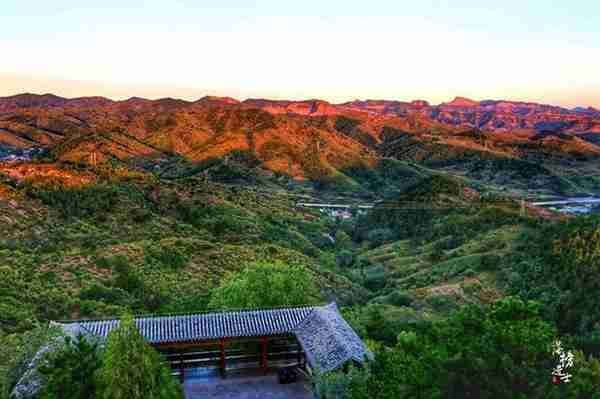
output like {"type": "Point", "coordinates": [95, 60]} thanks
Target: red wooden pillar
{"type": "Point", "coordinates": [222, 348]}
{"type": "Point", "coordinates": [263, 357]}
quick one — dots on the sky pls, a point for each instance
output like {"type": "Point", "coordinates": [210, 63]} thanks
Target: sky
{"type": "Point", "coordinates": [337, 50]}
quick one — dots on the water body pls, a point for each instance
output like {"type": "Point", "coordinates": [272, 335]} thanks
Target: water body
{"type": "Point", "coordinates": [573, 205]}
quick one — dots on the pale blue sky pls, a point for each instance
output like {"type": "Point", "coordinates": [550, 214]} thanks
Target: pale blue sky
{"type": "Point", "coordinates": [337, 50]}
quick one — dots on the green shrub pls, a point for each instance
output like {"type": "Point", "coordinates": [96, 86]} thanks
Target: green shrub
{"type": "Point", "coordinates": [69, 371]}
{"type": "Point", "coordinates": [338, 384]}
{"type": "Point", "coordinates": [98, 292]}
{"type": "Point", "coordinates": [379, 236]}
{"type": "Point", "coordinates": [77, 203]}
{"type": "Point", "coordinates": [442, 303]}
{"type": "Point", "coordinates": [375, 277]}
{"type": "Point", "coordinates": [399, 298]}
{"type": "Point", "coordinates": [490, 262]}
{"type": "Point", "coordinates": [437, 255]}
{"type": "Point", "coordinates": [124, 276]}
{"type": "Point", "coordinates": [469, 272]}
{"type": "Point", "coordinates": [168, 256]}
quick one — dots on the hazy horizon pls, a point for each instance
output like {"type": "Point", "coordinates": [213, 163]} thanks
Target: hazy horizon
{"type": "Point", "coordinates": [196, 94]}
{"type": "Point", "coordinates": [433, 50]}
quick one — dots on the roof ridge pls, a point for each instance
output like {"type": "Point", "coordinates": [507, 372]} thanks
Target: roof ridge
{"type": "Point", "coordinates": [204, 312]}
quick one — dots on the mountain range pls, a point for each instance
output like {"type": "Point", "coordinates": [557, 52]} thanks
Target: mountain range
{"type": "Point", "coordinates": [491, 115]}
{"type": "Point", "coordinates": [309, 139]}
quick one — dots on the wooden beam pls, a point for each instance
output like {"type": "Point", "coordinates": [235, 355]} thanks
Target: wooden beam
{"type": "Point", "coordinates": [195, 344]}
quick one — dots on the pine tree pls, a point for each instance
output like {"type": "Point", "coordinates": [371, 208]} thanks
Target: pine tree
{"type": "Point", "coordinates": [68, 372]}
{"type": "Point", "coordinates": [132, 369]}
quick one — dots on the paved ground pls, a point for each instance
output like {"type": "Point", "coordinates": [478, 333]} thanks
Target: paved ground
{"type": "Point", "coordinates": [243, 384]}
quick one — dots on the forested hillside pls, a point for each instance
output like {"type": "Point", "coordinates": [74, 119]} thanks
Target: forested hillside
{"type": "Point", "coordinates": [85, 242]}
{"type": "Point", "coordinates": [136, 207]}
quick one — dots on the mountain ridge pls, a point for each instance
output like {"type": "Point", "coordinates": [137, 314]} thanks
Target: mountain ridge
{"type": "Point", "coordinates": [307, 140]}
{"type": "Point", "coordinates": [458, 101]}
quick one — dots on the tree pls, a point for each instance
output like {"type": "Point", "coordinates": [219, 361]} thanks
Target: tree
{"type": "Point", "coordinates": [502, 351]}
{"type": "Point", "coordinates": [69, 371]}
{"type": "Point", "coordinates": [338, 384]}
{"type": "Point", "coordinates": [507, 346]}
{"type": "Point", "coordinates": [133, 370]}
{"type": "Point", "coordinates": [559, 266]}
{"type": "Point", "coordinates": [401, 374]}
{"type": "Point", "coordinates": [262, 285]}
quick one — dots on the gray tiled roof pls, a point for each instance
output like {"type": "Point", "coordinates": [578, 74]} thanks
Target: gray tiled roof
{"type": "Point", "coordinates": [203, 326]}
{"type": "Point", "coordinates": [328, 340]}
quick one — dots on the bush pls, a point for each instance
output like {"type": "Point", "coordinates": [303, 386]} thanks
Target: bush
{"type": "Point", "coordinates": [375, 277]}
{"type": "Point", "coordinates": [442, 303]}
{"type": "Point", "coordinates": [124, 277]}
{"type": "Point", "coordinates": [78, 203]}
{"type": "Point", "coordinates": [170, 257]}
{"type": "Point", "coordinates": [338, 384]}
{"type": "Point", "coordinates": [399, 298]}
{"type": "Point", "coordinates": [219, 220]}
{"type": "Point", "coordinates": [490, 262]}
{"type": "Point", "coordinates": [469, 273]}
{"type": "Point", "coordinates": [98, 292]}
{"type": "Point", "coordinates": [69, 371]}
{"type": "Point", "coordinates": [380, 236]}
{"type": "Point", "coordinates": [140, 215]}
{"type": "Point", "coordinates": [437, 255]}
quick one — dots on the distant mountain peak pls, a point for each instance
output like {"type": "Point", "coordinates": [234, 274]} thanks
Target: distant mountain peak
{"type": "Point", "coordinates": [462, 102]}
{"type": "Point", "coordinates": [420, 103]}
{"type": "Point", "coordinates": [217, 100]}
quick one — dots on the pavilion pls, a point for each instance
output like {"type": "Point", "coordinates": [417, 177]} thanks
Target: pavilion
{"type": "Point", "coordinates": [314, 337]}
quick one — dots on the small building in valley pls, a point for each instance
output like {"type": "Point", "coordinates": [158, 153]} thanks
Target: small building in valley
{"type": "Point", "coordinates": [318, 335]}
{"type": "Point", "coordinates": [316, 338]}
